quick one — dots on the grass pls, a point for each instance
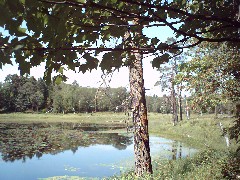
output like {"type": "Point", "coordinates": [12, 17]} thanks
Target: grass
{"type": "Point", "coordinates": [200, 131]}
{"type": "Point", "coordinates": [214, 160]}
{"type": "Point", "coordinates": [103, 118]}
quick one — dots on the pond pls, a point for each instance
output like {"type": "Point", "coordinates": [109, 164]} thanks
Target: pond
{"type": "Point", "coordinates": [41, 150]}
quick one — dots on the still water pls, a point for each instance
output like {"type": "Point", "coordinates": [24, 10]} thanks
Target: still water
{"type": "Point", "coordinates": [41, 151]}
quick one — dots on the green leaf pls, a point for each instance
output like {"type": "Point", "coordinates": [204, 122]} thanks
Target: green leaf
{"type": "Point", "coordinates": [84, 37]}
{"type": "Point", "coordinates": [120, 5]}
{"type": "Point", "coordinates": [173, 50]}
{"type": "Point", "coordinates": [110, 60]}
{"type": "Point", "coordinates": [5, 59]}
{"type": "Point", "coordinates": [154, 41]}
{"type": "Point", "coordinates": [59, 79]}
{"type": "Point", "coordinates": [157, 61]}
{"type": "Point", "coordinates": [37, 58]}
{"type": "Point", "coordinates": [117, 59]}
{"type": "Point", "coordinates": [158, 83]}
{"type": "Point", "coordinates": [24, 66]}
{"type": "Point", "coordinates": [15, 6]}
{"type": "Point", "coordinates": [17, 47]}
{"type": "Point", "coordinates": [116, 31]}
{"type": "Point", "coordinates": [83, 68]}
{"type": "Point", "coordinates": [105, 28]}
{"type": "Point", "coordinates": [106, 62]}
{"type": "Point", "coordinates": [33, 23]}
{"type": "Point", "coordinates": [61, 70]}
{"type": "Point", "coordinates": [22, 30]}
{"type": "Point", "coordinates": [106, 36]}
{"type": "Point", "coordinates": [92, 63]}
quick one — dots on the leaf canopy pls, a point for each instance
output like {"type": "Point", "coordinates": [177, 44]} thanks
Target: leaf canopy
{"type": "Point", "coordinates": [59, 32]}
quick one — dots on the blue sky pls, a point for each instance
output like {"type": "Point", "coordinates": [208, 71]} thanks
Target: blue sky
{"type": "Point", "coordinates": [93, 79]}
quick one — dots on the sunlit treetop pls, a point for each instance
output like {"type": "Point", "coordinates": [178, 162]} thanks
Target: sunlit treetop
{"type": "Point", "coordinates": [212, 75]}
{"type": "Point", "coordinates": [74, 32]}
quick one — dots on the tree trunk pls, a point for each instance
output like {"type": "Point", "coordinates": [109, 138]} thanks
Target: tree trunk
{"type": "Point", "coordinates": [96, 102]}
{"type": "Point", "coordinates": [180, 103]}
{"type": "Point", "coordinates": [174, 104]}
{"type": "Point", "coordinates": [187, 109]}
{"type": "Point", "coordinates": [140, 121]}
{"type": "Point", "coordinates": [180, 109]}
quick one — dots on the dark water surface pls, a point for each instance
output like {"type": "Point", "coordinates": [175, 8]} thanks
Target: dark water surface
{"type": "Point", "coordinates": [32, 151]}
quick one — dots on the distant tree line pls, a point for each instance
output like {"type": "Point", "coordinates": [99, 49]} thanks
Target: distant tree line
{"type": "Point", "coordinates": [21, 94]}
{"type": "Point", "coordinates": [27, 94]}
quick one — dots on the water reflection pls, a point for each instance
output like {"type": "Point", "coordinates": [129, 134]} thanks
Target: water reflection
{"type": "Point", "coordinates": [179, 151]}
{"type": "Point", "coordinates": [169, 149]}
{"type": "Point", "coordinates": [32, 151]}
{"type": "Point", "coordinates": [21, 141]}
{"type": "Point", "coordinates": [174, 150]}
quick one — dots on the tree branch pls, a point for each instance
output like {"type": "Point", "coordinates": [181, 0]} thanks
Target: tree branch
{"type": "Point", "coordinates": [185, 13]}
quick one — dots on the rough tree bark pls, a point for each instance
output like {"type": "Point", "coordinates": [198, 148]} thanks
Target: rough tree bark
{"type": "Point", "coordinates": [139, 109]}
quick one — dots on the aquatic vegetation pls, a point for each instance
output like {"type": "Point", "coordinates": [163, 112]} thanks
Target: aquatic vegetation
{"type": "Point", "coordinates": [70, 168]}
{"type": "Point", "coordinates": [22, 141]}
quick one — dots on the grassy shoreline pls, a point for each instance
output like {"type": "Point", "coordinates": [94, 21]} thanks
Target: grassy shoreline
{"type": "Point", "coordinates": [200, 132]}
{"type": "Point", "coordinates": [103, 118]}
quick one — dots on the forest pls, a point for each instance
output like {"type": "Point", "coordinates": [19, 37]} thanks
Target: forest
{"type": "Point", "coordinates": [26, 94]}
{"type": "Point", "coordinates": [21, 94]}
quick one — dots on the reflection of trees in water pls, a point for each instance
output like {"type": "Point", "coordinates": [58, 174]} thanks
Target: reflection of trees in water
{"type": "Point", "coordinates": [74, 149]}
{"type": "Point", "coordinates": [176, 150]}
{"type": "Point", "coordinates": [118, 141]}
{"type": "Point", "coordinates": [22, 141]}
{"type": "Point", "coordinates": [180, 151]}
{"type": "Point", "coordinates": [38, 154]}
